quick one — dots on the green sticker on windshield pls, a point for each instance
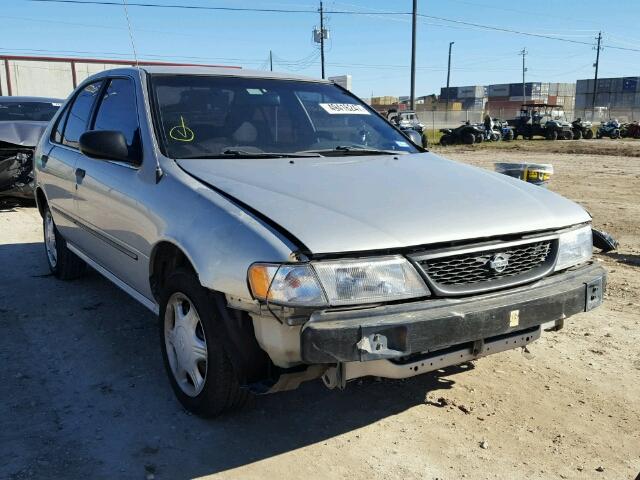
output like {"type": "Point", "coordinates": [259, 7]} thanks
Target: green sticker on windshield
{"type": "Point", "coordinates": [182, 133]}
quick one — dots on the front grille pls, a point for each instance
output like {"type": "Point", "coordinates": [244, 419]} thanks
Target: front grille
{"type": "Point", "coordinates": [486, 269]}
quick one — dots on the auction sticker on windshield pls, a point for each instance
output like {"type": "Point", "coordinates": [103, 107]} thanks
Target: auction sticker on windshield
{"type": "Point", "coordinates": [344, 108]}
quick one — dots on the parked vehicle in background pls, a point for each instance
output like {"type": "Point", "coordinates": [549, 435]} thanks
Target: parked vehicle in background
{"type": "Point", "coordinates": [609, 129]}
{"type": "Point", "coordinates": [542, 120]}
{"type": "Point", "coordinates": [407, 120]}
{"type": "Point", "coordinates": [582, 129]}
{"type": "Point", "coordinates": [22, 121]}
{"type": "Point", "coordinates": [630, 130]}
{"type": "Point", "coordinates": [466, 133]}
{"type": "Point", "coordinates": [504, 131]}
{"type": "Point", "coordinates": [283, 231]}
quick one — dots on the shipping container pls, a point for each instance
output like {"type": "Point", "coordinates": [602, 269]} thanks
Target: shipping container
{"type": "Point", "coordinates": [473, 91]}
{"type": "Point", "coordinates": [604, 85]}
{"type": "Point", "coordinates": [630, 84]}
{"type": "Point", "coordinates": [603, 99]}
{"type": "Point", "coordinates": [499, 90]}
{"type": "Point", "coordinates": [453, 93]}
{"type": "Point", "coordinates": [581, 101]}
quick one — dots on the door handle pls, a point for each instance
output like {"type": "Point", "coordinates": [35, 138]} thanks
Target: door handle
{"type": "Point", "coordinates": [80, 173]}
{"type": "Point", "coordinates": [43, 160]}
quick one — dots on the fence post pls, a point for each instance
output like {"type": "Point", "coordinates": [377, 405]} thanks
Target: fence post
{"type": "Point", "coordinates": [433, 125]}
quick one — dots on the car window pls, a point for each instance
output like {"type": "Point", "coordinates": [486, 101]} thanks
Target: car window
{"type": "Point", "coordinates": [205, 116]}
{"type": "Point", "coordinates": [28, 110]}
{"type": "Point", "coordinates": [58, 129]}
{"type": "Point", "coordinates": [79, 113]}
{"type": "Point", "coordinates": [117, 111]}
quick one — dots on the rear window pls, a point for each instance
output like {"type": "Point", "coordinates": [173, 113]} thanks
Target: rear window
{"type": "Point", "coordinates": [31, 111]}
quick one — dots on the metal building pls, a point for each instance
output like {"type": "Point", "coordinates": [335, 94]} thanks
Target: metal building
{"type": "Point", "coordinates": [56, 76]}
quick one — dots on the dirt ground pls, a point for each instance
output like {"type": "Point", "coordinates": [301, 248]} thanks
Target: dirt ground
{"type": "Point", "coordinates": [84, 395]}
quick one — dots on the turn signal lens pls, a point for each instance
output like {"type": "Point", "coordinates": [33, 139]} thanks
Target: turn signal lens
{"type": "Point", "coordinates": [260, 277]}
{"type": "Point", "coordinates": [294, 285]}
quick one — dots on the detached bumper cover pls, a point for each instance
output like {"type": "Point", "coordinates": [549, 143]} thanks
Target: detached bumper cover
{"type": "Point", "coordinates": [394, 331]}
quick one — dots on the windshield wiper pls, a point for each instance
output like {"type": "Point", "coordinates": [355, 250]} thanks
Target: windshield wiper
{"type": "Point", "coordinates": [234, 153]}
{"type": "Point", "coordinates": [355, 150]}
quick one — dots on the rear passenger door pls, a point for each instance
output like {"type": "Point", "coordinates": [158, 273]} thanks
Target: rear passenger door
{"type": "Point", "coordinates": [58, 166]}
{"type": "Point", "coordinates": [109, 192]}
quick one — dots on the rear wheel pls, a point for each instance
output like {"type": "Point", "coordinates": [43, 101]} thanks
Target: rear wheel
{"type": "Point", "coordinates": [479, 137]}
{"type": "Point", "coordinates": [567, 135]}
{"type": "Point", "coordinates": [193, 348]}
{"type": "Point", "coordinates": [551, 135]}
{"type": "Point", "coordinates": [446, 140]}
{"type": "Point", "coordinates": [588, 134]}
{"type": "Point", "coordinates": [509, 136]}
{"type": "Point", "coordinates": [577, 134]}
{"type": "Point", "coordinates": [63, 263]}
{"type": "Point", "coordinates": [615, 134]}
{"type": "Point", "coordinates": [468, 138]}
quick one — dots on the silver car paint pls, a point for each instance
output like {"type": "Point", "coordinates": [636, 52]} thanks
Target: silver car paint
{"type": "Point", "coordinates": [332, 204]}
{"type": "Point", "coordinates": [385, 202]}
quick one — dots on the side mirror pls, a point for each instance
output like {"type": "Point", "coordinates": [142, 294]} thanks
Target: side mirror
{"type": "Point", "coordinates": [414, 136]}
{"type": "Point", "coordinates": [107, 145]}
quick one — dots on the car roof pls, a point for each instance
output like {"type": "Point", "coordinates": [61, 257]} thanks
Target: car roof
{"type": "Point", "coordinates": [212, 71]}
{"type": "Point", "coordinates": [30, 99]}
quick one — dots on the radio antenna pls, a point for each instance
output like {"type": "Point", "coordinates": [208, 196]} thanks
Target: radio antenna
{"type": "Point", "coordinates": [133, 43]}
{"type": "Point", "coordinates": [159, 171]}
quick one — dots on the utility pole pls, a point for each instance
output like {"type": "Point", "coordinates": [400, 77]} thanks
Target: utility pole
{"type": "Point", "coordinates": [595, 78]}
{"type": "Point", "coordinates": [322, 39]}
{"type": "Point", "coordinates": [446, 108]}
{"type": "Point", "coordinates": [271, 60]}
{"type": "Point", "coordinates": [413, 53]}
{"type": "Point", "coordinates": [523, 52]}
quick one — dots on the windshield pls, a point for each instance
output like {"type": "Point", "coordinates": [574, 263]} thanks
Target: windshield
{"type": "Point", "coordinates": [35, 111]}
{"type": "Point", "coordinates": [210, 116]}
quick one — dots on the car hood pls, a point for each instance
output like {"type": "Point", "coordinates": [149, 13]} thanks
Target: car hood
{"type": "Point", "coordinates": [23, 133]}
{"type": "Point", "coordinates": [365, 203]}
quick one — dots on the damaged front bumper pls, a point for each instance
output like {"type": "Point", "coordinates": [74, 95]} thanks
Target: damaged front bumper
{"type": "Point", "coordinates": [398, 332]}
{"type": "Point", "coordinates": [16, 172]}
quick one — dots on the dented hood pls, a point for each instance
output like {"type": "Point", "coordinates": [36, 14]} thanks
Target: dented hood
{"type": "Point", "coordinates": [363, 203]}
{"type": "Point", "coordinates": [26, 134]}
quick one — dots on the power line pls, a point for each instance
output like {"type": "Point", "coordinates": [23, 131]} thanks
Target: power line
{"type": "Point", "coordinates": [205, 7]}
{"type": "Point", "coordinates": [335, 12]}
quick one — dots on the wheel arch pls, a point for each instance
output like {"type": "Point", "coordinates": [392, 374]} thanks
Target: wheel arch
{"type": "Point", "coordinates": [165, 257]}
{"type": "Point", "coordinates": [41, 200]}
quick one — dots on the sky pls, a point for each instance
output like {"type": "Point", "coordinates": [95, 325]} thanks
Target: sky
{"type": "Point", "coordinates": [375, 48]}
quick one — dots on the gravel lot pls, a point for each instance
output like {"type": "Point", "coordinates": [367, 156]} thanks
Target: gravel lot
{"type": "Point", "coordinates": [84, 393]}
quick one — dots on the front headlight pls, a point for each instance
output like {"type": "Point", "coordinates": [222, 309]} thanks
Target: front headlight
{"type": "Point", "coordinates": [574, 247]}
{"type": "Point", "coordinates": [337, 282]}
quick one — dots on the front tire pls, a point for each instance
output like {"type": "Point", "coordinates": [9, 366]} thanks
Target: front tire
{"type": "Point", "coordinates": [552, 135]}
{"type": "Point", "coordinates": [63, 263]}
{"type": "Point", "coordinates": [193, 348]}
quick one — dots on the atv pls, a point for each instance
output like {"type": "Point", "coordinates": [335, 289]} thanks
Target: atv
{"type": "Point", "coordinates": [630, 130]}
{"type": "Point", "coordinates": [465, 133]}
{"type": "Point", "coordinates": [581, 129]}
{"type": "Point", "coordinates": [610, 129]}
{"type": "Point", "coordinates": [543, 120]}
{"type": "Point", "coordinates": [503, 130]}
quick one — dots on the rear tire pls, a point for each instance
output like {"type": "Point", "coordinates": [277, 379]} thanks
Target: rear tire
{"type": "Point", "coordinates": [63, 263]}
{"type": "Point", "coordinates": [588, 135]}
{"type": "Point", "coordinates": [192, 341]}
{"type": "Point", "coordinates": [577, 134]}
{"type": "Point", "coordinates": [510, 136]}
{"type": "Point", "coordinates": [551, 135]}
{"type": "Point", "coordinates": [468, 138]}
{"type": "Point", "coordinates": [567, 135]}
{"type": "Point", "coordinates": [446, 140]}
